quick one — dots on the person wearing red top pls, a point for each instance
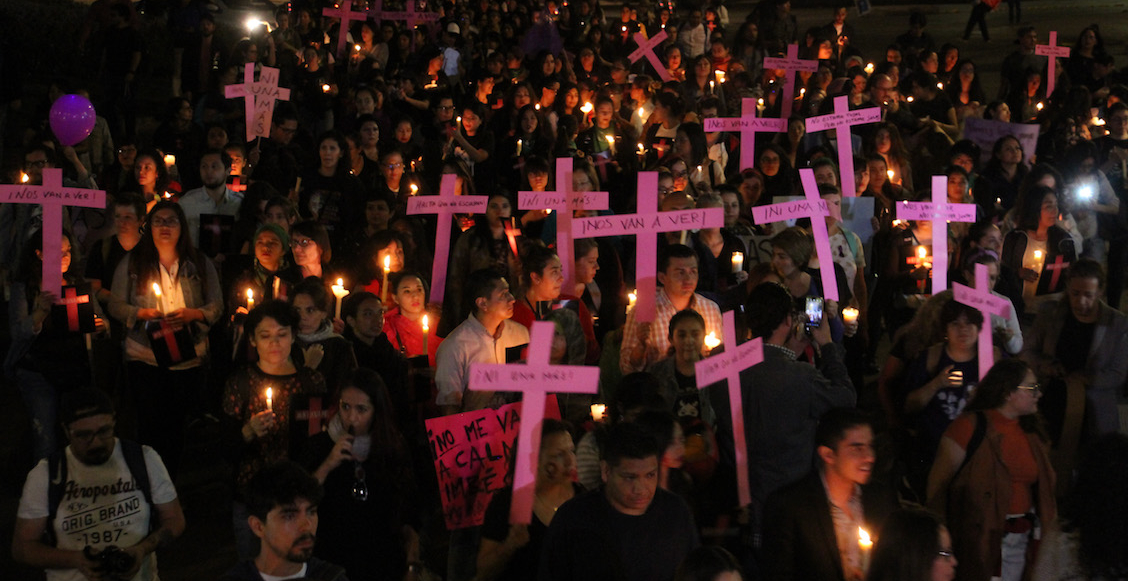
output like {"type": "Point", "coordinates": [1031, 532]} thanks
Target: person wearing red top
{"type": "Point", "coordinates": [543, 280]}
{"type": "Point", "coordinates": [403, 323]}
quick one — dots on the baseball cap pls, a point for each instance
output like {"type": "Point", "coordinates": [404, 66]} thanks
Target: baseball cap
{"type": "Point", "coordinates": [83, 403]}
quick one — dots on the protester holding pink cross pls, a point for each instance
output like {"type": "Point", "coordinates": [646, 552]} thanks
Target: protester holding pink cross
{"type": "Point", "coordinates": [748, 125]}
{"type": "Point", "coordinates": [790, 64]}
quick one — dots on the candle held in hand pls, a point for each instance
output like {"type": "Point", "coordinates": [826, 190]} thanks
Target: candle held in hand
{"type": "Point", "coordinates": [737, 261]}
{"type": "Point", "coordinates": [170, 160]}
{"type": "Point", "coordinates": [866, 545]}
{"type": "Point", "coordinates": [339, 292]}
{"type": "Point", "coordinates": [711, 341]}
{"type": "Point", "coordinates": [250, 300]}
{"type": "Point", "coordinates": [269, 399]}
{"type": "Point", "coordinates": [598, 412]}
{"type": "Point", "coordinates": [849, 315]}
{"type": "Point", "coordinates": [426, 331]}
{"type": "Point", "coordinates": [157, 294]}
{"type": "Point", "coordinates": [384, 287]}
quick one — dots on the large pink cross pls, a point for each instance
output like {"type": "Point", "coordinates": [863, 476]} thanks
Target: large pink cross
{"type": "Point", "coordinates": [646, 49]}
{"type": "Point", "coordinates": [258, 98]}
{"type": "Point", "coordinates": [445, 205]}
{"type": "Point", "coordinates": [842, 120]}
{"type": "Point", "coordinates": [987, 303]}
{"type": "Point", "coordinates": [52, 196]}
{"type": "Point", "coordinates": [416, 18]}
{"type": "Point", "coordinates": [345, 14]}
{"type": "Point", "coordinates": [71, 299]}
{"type": "Point", "coordinates": [563, 201]}
{"type": "Point", "coordinates": [534, 380]}
{"type": "Point", "coordinates": [727, 367]}
{"type": "Point", "coordinates": [1053, 52]}
{"type": "Point", "coordinates": [815, 208]}
{"type": "Point", "coordinates": [749, 125]}
{"type": "Point", "coordinates": [1058, 265]}
{"type": "Point", "coordinates": [790, 64]}
{"type": "Point", "coordinates": [645, 225]}
{"type": "Point", "coordinates": [940, 212]}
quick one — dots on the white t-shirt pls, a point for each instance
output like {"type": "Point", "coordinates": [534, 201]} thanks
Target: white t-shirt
{"type": "Point", "coordinates": [101, 506]}
{"type": "Point", "coordinates": [299, 575]}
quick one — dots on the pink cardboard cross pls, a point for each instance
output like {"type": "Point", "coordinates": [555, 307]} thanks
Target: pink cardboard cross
{"type": "Point", "coordinates": [1054, 52]}
{"type": "Point", "coordinates": [445, 205]}
{"type": "Point", "coordinates": [940, 212]}
{"type": "Point", "coordinates": [414, 18]}
{"type": "Point", "coordinates": [534, 379]}
{"type": "Point", "coordinates": [749, 125]}
{"type": "Point", "coordinates": [815, 208]}
{"type": "Point", "coordinates": [563, 201]}
{"type": "Point", "coordinates": [727, 366]}
{"type": "Point", "coordinates": [646, 49]}
{"type": "Point", "coordinates": [52, 196]}
{"type": "Point", "coordinates": [71, 299]}
{"type": "Point", "coordinates": [345, 14]}
{"type": "Point", "coordinates": [987, 303]}
{"type": "Point", "coordinates": [842, 120]}
{"type": "Point", "coordinates": [645, 226]}
{"type": "Point", "coordinates": [1058, 265]}
{"type": "Point", "coordinates": [790, 64]}
{"type": "Point", "coordinates": [376, 12]}
{"type": "Point", "coordinates": [258, 98]}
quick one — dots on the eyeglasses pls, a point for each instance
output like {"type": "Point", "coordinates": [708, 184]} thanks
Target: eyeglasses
{"type": "Point", "coordinates": [87, 436]}
{"type": "Point", "coordinates": [1035, 388]}
{"type": "Point", "coordinates": [304, 243]}
{"type": "Point", "coordinates": [166, 222]}
{"type": "Point", "coordinates": [394, 166]}
{"type": "Point", "coordinates": [360, 487]}
{"type": "Point", "coordinates": [948, 555]}
{"type": "Point", "coordinates": [36, 163]}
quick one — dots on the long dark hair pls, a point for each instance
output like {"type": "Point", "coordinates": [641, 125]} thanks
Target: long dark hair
{"type": "Point", "coordinates": [31, 266]}
{"type": "Point", "coordinates": [144, 260]}
{"type": "Point", "coordinates": [1097, 509]}
{"type": "Point", "coordinates": [386, 436]}
{"type": "Point", "coordinates": [907, 547]}
{"type": "Point", "coordinates": [344, 165]}
{"type": "Point", "coordinates": [1002, 380]}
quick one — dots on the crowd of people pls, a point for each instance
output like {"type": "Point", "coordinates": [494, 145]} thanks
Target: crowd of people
{"type": "Point", "coordinates": [281, 289]}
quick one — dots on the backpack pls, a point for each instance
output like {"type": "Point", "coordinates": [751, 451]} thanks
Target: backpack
{"type": "Point", "coordinates": [57, 483]}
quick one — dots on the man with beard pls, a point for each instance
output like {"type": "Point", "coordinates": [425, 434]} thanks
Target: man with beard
{"type": "Point", "coordinates": [214, 197]}
{"type": "Point", "coordinates": [99, 495]}
{"type": "Point", "coordinates": [783, 398]}
{"type": "Point", "coordinates": [282, 501]}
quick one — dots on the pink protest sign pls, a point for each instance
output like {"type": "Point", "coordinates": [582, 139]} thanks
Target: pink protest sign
{"type": "Point", "coordinates": [444, 205]}
{"type": "Point", "coordinates": [727, 367]}
{"type": "Point", "coordinates": [563, 201]}
{"type": "Point", "coordinates": [52, 196]}
{"type": "Point", "coordinates": [645, 226]}
{"type": "Point", "coordinates": [1055, 268]}
{"type": "Point", "coordinates": [258, 98]}
{"type": "Point", "coordinates": [981, 299]}
{"type": "Point", "coordinates": [816, 209]}
{"type": "Point", "coordinates": [748, 124]}
{"type": "Point", "coordinates": [534, 379]}
{"type": "Point", "coordinates": [646, 49]}
{"type": "Point", "coordinates": [1053, 52]}
{"type": "Point", "coordinates": [841, 121]}
{"type": "Point", "coordinates": [939, 211]}
{"type": "Point", "coordinates": [473, 454]}
{"type": "Point", "coordinates": [345, 14]}
{"type": "Point", "coordinates": [790, 65]}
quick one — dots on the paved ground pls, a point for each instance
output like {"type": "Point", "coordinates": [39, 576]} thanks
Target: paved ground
{"type": "Point", "coordinates": [206, 548]}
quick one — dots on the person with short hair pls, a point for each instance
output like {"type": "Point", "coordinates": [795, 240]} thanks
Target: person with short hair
{"type": "Point", "coordinates": [630, 529]}
{"type": "Point", "coordinates": [85, 479]}
{"type": "Point", "coordinates": [213, 197]}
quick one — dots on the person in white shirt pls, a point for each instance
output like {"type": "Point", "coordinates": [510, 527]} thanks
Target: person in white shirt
{"type": "Point", "coordinates": [214, 197]}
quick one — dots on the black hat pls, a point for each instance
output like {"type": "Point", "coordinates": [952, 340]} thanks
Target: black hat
{"type": "Point", "coordinates": [83, 403]}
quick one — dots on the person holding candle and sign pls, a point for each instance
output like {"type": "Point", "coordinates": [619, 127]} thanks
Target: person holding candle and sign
{"type": "Point", "coordinates": [322, 348]}
{"type": "Point", "coordinates": [410, 325]}
{"type": "Point", "coordinates": [168, 333]}
{"type": "Point", "coordinates": [1037, 241]}
{"type": "Point", "coordinates": [263, 401]}
{"type": "Point", "coordinates": [913, 541]}
{"type": "Point", "coordinates": [812, 527]}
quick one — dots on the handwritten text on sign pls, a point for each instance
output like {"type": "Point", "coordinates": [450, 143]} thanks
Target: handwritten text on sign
{"type": "Point", "coordinates": [834, 120]}
{"type": "Point", "coordinates": [554, 199]}
{"type": "Point", "coordinates": [738, 123]}
{"type": "Point", "coordinates": [929, 211]}
{"type": "Point", "coordinates": [38, 194]}
{"type": "Point", "coordinates": [474, 455]}
{"type": "Point", "coordinates": [469, 204]}
{"type": "Point", "coordinates": [630, 224]}
{"type": "Point", "coordinates": [788, 211]}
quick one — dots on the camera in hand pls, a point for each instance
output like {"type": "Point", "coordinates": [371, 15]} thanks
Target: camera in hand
{"type": "Point", "coordinates": [112, 560]}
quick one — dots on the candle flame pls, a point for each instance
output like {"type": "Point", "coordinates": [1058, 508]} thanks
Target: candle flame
{"type": "Point", "coordinates": [641, 112]}
{"type": "Point", "coordinates": [387, 263]}
{"type": "Point", "coordinates": [170, 160]}
{"type": "Point", "coordinates": [24, 178]}
{"type": "Point", "coordinates": [864, 540]}
{"type": "Point", "coordinates": [357, 48]}
{"type": "Point", "coordinates": [426, 327]}
{"type": "Point", "coordinates": [414, 189]}
{"type": "Point", "coordinates": [1039, 106]}
{"type": "Point", "coordinates": [587, 108]}
{"type": "Point", "coordinates": [611, 139]}
{"type": "Point", "coordinates": [910, 99]}
{"type": "Point", "coordinates": [922, 251]}
{"type": "Point", "coordinates": [711, 340]}
{"type": "Point", "coordinates": [889, 173]}
{"type": "Point", "coordinates": [341, 282]}
{"type": "Point", "coordinates": [269, 394]}
{"type": "Point", "coordinates": [250, 295]}
{"type": "Point", "coordinates": [325, 88]}
{"type": "Point", "coordinates": [157, 289]}
{"type": "Point", "coordinates": [1037, 254]}
{"type": "Point", "coordinates": [869, 68]}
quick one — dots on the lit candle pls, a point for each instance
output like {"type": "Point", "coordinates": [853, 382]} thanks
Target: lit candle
{"type": "Point", "coordinates": [737, 261]}
{"type": "Point", "coordinates": [157, 294]}
{"type": "Point", "coordinates": [1039, 106]}
{"type": "Point", "coordinates": [641, 150]}
{"type": "Point", "coordinates": [759, 105]}
{"type": "Point", "coordinates": [325, 88]}
{"type": "Point", "coordinates": [631, 298]}
{"type": "Point", "coordinates": [956, 377]}
{"type": "Point", "coordinates": [250, 300]}
{"type": "Point", "coordinates": [849, 315]}
{"type": "Point", "coordinates": [384, 287]}
{"type": "Point", "coordinates": [896, 223]}
{"type": "Point", "coordinates": [519, 145]}
{"type": "Point", "coordinates": [277, 283]}
{"type": "Point", "coordinates": [922, 252]}
{"type": "Point", "coordinates": [426, 328]}
{"type": "Point", "coordinates": [866, 545]}
{"type": "Point", "coordinates": [641, 114]}
{"type": "Point", "coordinates": [537, 106]}
{"type": "Point", "coordinates": [711, 88]}
{"type": "Point", "coordinates": [458, 120]}
{"type": "Point", "coordinates": [889, 173]}
{"type": "Point", "coordinates": [414, 189]}
{"type": "Point", "coordinates": [24, 178]}
{"type": "Point", "coordinates": [711, 341]}
{"type": "Point", "coordinates": [910, 99]}
{"type": "Point", "coordinates": [869, 68]}
{"type": "Point", "coordinates": [721, 77]}
{"type": "Point", "coordinates": [357, 48]}
{"type": "Point", "coordinates": [598, 412]}
{"type": "Point", "coordinates": [940, 86]}
{"type": "Point", "coordinates": [340, 292]}
{"type": "Point", "coordinates": [611, 143]}
{"type": "Point", "coordinates": [269, 399]}
{"type": "Point", "coordinates": [170, 160]}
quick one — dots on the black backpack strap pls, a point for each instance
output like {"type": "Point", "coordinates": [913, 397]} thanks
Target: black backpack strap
{"type": "Point", "coordinates": [56, 486]}
{"type": "Point", "coordinates": [976, 438]}
{"type": "Point", "coordinates": [135, 460]}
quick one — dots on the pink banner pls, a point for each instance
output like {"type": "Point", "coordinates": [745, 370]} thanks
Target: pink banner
{"type": "Point", "coordinates": [748, 125]}
{"type": "Point", "coordinates": [790, 64]}
{"type": "Point", "coordinates": [444, 206]}
{"type": "Point", "coordinates": [535, 380]}
{"type": "Point", "coordinates": [564, 202]}
{"type": "Point", "coordinates": [727, 367]}
{"type": "Point", "coordinates": [841, 121]}
{"type": "Point", "coordinates": [473, 454]}
{"type": "Point", "coordinates": [52, 196]}
{"type": "Point", "coordinates": [1054, 52]}
{"type": "Point", "coordinates": [981, 299]}
{"type": "Point", "coordinates": [939, 212]}
{"type": "Point", "coordinates": [646, 49]}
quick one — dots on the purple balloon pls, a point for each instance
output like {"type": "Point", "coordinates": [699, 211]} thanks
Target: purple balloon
{"type": "Point", "coordinates": [72, 119]}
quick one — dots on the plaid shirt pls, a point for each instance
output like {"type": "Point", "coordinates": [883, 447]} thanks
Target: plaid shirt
{"type": "Point", "coordinates": [658, 343]}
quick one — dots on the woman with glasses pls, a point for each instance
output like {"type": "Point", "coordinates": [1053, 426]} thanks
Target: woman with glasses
{"type": "Point", "coordinates": [992, 477]}
{"type": "Point", "coordinates": [312, 250]}
{"type": "Point", "coordinates": [261, 425]}
{"type": "Point", "coordinates": [914, 546]}
{"type": "Point", "coordinates": [167, 336]}
{"type": "Point", "coordinates": [368, 513]}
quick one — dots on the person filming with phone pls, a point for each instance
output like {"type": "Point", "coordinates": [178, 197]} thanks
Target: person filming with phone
{"type": "Point", "coordinates": [783, 398]}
